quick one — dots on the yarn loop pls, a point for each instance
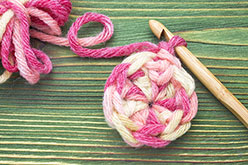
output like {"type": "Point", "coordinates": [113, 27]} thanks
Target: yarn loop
{"type": "Point", "coordinates": [16, 18]}
{"type": "Point", "coordinates": [46, 17]}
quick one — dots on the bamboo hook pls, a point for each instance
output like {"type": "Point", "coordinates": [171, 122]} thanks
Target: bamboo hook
{"type": "Point", "coordinates": [204, 75]}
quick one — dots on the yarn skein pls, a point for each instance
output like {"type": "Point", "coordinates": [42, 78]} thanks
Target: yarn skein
{"type": "Point", "coordinates": [16, 18]}
{"type": "Point", "coordinates": [149, 98]}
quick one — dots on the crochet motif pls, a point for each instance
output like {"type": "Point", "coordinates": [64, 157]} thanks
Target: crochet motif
{"type": "Point", "coordinates": [149, 98]}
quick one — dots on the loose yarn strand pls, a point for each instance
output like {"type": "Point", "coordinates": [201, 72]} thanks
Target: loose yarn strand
{"type": "Point", "coordinates": [46, 17]}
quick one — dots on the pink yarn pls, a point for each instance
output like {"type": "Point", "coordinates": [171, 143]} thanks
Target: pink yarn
{"type": "Point", "coordinates": [121, 88]}
{"type": "Point", "coordinates": [47, 16]}
{"type": "Point", "coordinates": [44, 15]}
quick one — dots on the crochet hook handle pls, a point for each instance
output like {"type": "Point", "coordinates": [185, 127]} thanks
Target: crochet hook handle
{"type": "Point", "coordinates": [204, 75]}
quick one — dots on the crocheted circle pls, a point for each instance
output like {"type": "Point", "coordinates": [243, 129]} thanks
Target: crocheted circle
{"type": "Point", "coordinates": [149, 99]}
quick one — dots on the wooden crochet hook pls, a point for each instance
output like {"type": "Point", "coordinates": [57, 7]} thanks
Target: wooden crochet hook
{"type": "Point", "coordinates": [204, 75]}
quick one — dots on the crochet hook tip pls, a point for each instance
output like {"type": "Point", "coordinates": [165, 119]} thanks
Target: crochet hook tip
{"type": "Point", "coordinates": [159, 29]}
{"type": "Point", "coordinates": [156, 28]}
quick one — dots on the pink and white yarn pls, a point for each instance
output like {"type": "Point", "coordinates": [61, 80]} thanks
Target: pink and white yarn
{"type": "Point", "coordinates": [16, 18]}
{"type": "Point", "coordinates": [149, 98]}
{"type": "Point", "coordinates": [45, 17]}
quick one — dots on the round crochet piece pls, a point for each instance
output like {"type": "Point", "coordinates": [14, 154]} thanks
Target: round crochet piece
{"type": "Point", "coordinates": [149, 99]}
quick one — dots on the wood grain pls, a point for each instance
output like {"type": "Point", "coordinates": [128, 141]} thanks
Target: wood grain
{"type": "Point", "coordinates": [60, 120]}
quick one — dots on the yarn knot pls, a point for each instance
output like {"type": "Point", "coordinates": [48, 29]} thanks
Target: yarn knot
{"type": "Point", "coordinates": [174, 42]}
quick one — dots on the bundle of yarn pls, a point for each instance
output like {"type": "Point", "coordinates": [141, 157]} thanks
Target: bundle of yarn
{"type": "Point", "coordinates": [16, 17]}
{"type": "Point", "coordinates": [149, 98]}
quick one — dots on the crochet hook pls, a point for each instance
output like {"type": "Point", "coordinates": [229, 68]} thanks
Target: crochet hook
{"type": "Point", "coordinates": [204, 75]}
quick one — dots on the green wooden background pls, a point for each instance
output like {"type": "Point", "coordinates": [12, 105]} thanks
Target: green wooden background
{"type": "Point", "coordinates": [60, 119]}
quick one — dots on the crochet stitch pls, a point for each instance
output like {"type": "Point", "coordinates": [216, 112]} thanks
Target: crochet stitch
{"type": "Point", "coordinates": [149, 98]}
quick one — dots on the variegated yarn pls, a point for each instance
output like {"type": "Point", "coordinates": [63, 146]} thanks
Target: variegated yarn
{"type": "Point", "coordinates": [149, 99]}
{"type": "Point", "coordinates": [16, 18]}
